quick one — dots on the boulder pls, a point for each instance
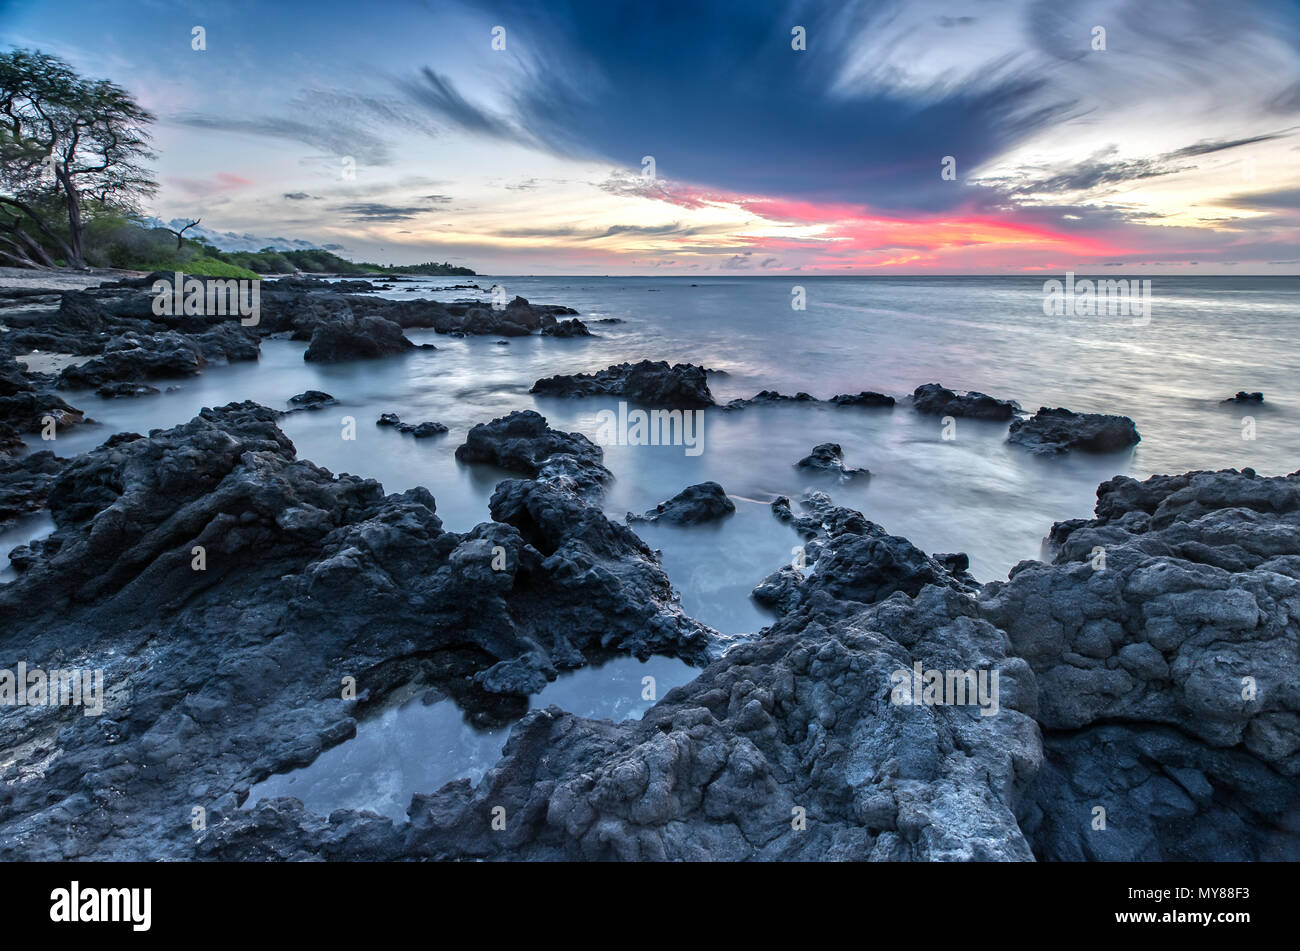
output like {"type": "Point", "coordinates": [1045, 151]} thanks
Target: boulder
{"type": "Point", "coordinates": [694, 505]}
{"type": "Point", "coordinates": [829, 458]}
{"type": "Point", "coordinates": [936, 400]}
{"type": "Point", "coordinates": [680, 386]}
{"type": "Point", "coordinates": [353, 338]}
{"type": "Point", "coordinates": [1059, 430]}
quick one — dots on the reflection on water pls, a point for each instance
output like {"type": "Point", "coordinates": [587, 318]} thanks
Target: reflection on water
{"type": "Point", "coordinates": [415, 747]}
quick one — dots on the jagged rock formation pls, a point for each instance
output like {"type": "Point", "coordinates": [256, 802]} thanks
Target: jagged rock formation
{"type": "Point", "coordinates": [226, 588]}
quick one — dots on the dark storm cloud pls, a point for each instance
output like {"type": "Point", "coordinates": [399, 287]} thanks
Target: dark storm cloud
{"type": "Point", "coordinates": [716, 94]}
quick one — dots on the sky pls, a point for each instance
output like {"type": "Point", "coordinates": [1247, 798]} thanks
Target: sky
{"type": "Point", "coordinates": [664, 137]}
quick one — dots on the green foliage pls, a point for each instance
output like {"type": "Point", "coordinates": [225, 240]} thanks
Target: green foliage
{"type": "Point", "coordinates": [200, 267]}
{"type": "Point", "coordinates": [443, 269]}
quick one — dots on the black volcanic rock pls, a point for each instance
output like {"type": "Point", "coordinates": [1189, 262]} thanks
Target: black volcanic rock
{"type": "Point", "coordinates": [680, 386]}
{"type": "Point", "coordinates": [694, 505]}
{"type": "Point", "coordinates": [1165, 670]}
{"type": "Point", "coordinates": [134, 357]}
{"type": "Point", "coordinates": [768, 398]}
{"type": "Point", "coordinates": [418, 430]}
{"type": "Point", "coordinates": [516, 319]}
{"type": "Point", "coordinates": [829, 458]}
{"type": "Point", "coordinates": [355, 338]}
{"type": "Point", "coordinates": [865, 398]}
{"type": "Point", "coordinates": [523, 442]}
{"type": "Point", "coordinates": [25, 482]}
{"type": "Point", "coordinates": [124, 390]}
{"type": "Point", "coordinates": [573, 327]}
{"type": "Point", "coordinates": [1059, 430]}
{"type": "Point", "coordinates": [772, 397]}
{"type": "Point", "coordinates": [312, 400]}
{"type": "Point", "coordinates": [1158, 684]}
{"type": "Point", "coordinates": [25, 402]}
{"type": "Point", "coordinates": [215, 676]}
{"type": "Point", "coordinates": [1244, 397]}
{"type": "Point", "coordinates": [936, 400]}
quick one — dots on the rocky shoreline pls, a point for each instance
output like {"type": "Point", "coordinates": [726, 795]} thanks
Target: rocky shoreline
{"type": "Point", "coordinates": [248, 608]}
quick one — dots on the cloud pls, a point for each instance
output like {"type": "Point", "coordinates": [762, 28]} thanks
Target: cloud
{"type": "Point", "coordinates": [378, 211]}
{"type": "Point", "coordinates": [674, 229]}
{"type": "Point", "coordinates": [719, 98]}
{"type": "Point", "coordinates": [1285, 198]}
{"type": "Point", "coordinates": [300, 196]}
{"type": "Point", "coordinates": [883, 92]}
{"type": "Point", "coordinates": [350, 124]}
{"type": "Point", "coordinates": [438, 96]}
{"type": "Point", "coordinates": [233, 240]}
{"type": "Point", "coordinates": [1206, 146]}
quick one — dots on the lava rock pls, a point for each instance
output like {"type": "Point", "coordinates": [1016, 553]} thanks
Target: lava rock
{"type": "Point", "coordinates": [306, 578]}
{"type": "Point", "coordinates": [25, 483]}
{"type": "Point", "coordinates": [1059, 430]}
{"type": "Point", "coordinates": [355, 338]}
{"type": "Point", "coordinates": [418, 430]}
{"type": "Point", "coordinates": [1244, 397]}
{"type": "Point", "coordinates": [694, 505]}
{"type": "Point", "coordinates": [829, 458]}
{"type": "Point", "coordinates": [134, 357]}
{"type": "Point", "coordinates": [865, 398]}
{"type": "Point", "coordinates": [680, 386]}
{"type": "Point", "coordinates": [523, 442]}
{"type": "Point", "coordinates": [936, 400]}
{"type": "Point", "coordinates": [573, 327]}
{"type": "Point", "coordinates": [124, 390]}
{"type": "Point", "coordinates": [312, 400]}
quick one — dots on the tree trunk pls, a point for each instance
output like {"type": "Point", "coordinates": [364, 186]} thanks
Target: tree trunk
{"type": "Point", "coordinates": [74, 219]}
{"type": "Point", "coordinates": [30, 215]}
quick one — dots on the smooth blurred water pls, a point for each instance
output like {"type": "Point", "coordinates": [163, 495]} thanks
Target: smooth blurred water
{"type": "Point", "coordinates": [1207, 338]}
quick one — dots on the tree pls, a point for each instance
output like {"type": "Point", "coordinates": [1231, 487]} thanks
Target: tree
{"type": "Point", "coordinates": [65, 143]}
{"type": "Point", "coordinates": [179, 234]}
